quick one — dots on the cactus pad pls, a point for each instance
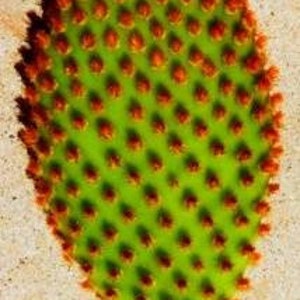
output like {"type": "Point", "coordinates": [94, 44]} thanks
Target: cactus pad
{"type": "Point", "coordinates": [153, 133]}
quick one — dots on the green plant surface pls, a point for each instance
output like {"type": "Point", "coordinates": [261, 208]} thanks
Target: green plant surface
{"type": "Point", "coordinates": [155, 179]}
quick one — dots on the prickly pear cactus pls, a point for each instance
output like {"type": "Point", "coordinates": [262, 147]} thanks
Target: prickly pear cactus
{"type": "Point", "coordinates": [153, 133]}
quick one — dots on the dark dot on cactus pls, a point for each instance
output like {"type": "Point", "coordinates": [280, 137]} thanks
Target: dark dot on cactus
{"type": "Point", "coordinates": [72, 189]}
{"type": "Point", "coordinates": [128, 214]}
{"type": "Point", "coordinates": [78, 121]}
{"type": "Point", "coordinates": [241, 35]}
{"type": "Point", "coordinates": [182, 114]}
{"type": "Point", "coordinates": [108, 192]}
{"type": "Point", "coordinates": [111, 293]}
{"type": "Point", "coordinates": [264, 229]}
{"type": "Point", "coordinates": [243, 153]}
{"type": "Point", "coordinates": [126, 65]}
{"type": "Point", "coordinates": [87, 40]}
{"type": "Point", "coordinates": [243, 97]}
{"type": "Point", "coordinates": [225, 264]}
{"type": "Point", "coordinates": [217, 148]}
{"type": "Point", "coordinates": [39, 114]}
{"type": "Point", "coordinates": [206, 219]}
{"type": "Point", "coordinates": [269, 166]}
{"type": "Point", "coordinates": [70, 67]}
{"type": "Point", "coordinates": [113, 88]}
{"type": "Point", "coordinates": [47, 82]}
{"type": "Point", "coordinates": [243, 283]}
{"type": "Point", "coordinates": [270, 134]}
{"type": "Point", "coordinates": [208, 290]}
{"type": "Point", "coordinates": [157, 29]}
{"type": "Point", "coordinates": [88, 209]}
{"type": "Point", "coordinates": [236, 126]}
{"type": "Point", "coordinates": [163, 95]}
{"type": "Point", "coordinates": [226, 86]}
{"type": "Point", "coordinates": [157, 57]}
{"type": "Point", "coordinates": [113, 159]}
{"type": "Point", "coordinates": [57, 133]}
{"type": "Point", "coordinates": [253, 63]}
{"type": "Point", "coordinates": [100, 9]}
{"type": "Point", "coordinates": [126, 254]}
{"type": "Point", "coordinates": [96, 103]}
{"type": "Point", "coordinates": [59, 102]}
{"type": "Point", "coordinates": [200, 129]}
{"type": "Point", "coordinates": [208, 5]}
{"type": "Point", "coordinates": [219, 111]}
{"type": "Point", "coordinates": [154, 161]}
{"type": "Point", "coordinates": [55, 172]}
{"type": "Point", "coordinates": [72, 152]}
{"type": "Point", "coordinates": [62, 44]}
{"type": "Point", "coordinates": [181, 282]}
{"type": "Point", "coordinates": [113, 270]}
{"type": "Point", "coordinates": [172, 180]}
{"type": "Point", "coordinates": [146, 278]}
{"type": "Point", "coordinates": [158, 125]}
{"type": "Point", "coordinates": [164, 260]}
{"type": "Point", "coordinates": [125, 18]}
{"type": "Point", "coordinates": [136, 41]}
{"type": "Point", "coordinates": [229, 57]}
{"type": "Point", "coordinates": [262, 208]}
{"type": "Point", "coordinates": [212, 180]}
{"type": "Point", "coordinates": [86, 265]}
{"type": "Point", "coordinates": [110, 232]}
{"type": "Point", "coordinates": [143, 8]}
{"type": "Point", "coordinates": [56, 21]}
{"type": "Point", "coordinates": [192, 164]}
{"type": "Point", "coordinates": [78, 16]}
{"type": "Point", "coordinates": [134, 140]}
{"type": "Point", "coordinates": [64, 4]}
{"type": "Point", "coordinates": [190, 200]}
{"type": "Point", "coordinates": [165, 219]}
{"type": "Point", "coordinates": [59, 206]}
{"type": "Point", "coordinates": [174, 15]}
{"type": "Point", "coordinates": [43, 147]}
{"type": "Point", "coordinates": [273, 188]}
{"type": "Point", "coordinates": [136, 111]}
{"type": "Point", "coordinates": [219, 240]}
{"type": "Point", "coordinates": [179, 74]}
{"type": "Point", "coordinates": [184, 240]}
{"type": "Point", "coordinates": [217, 30]}
{"type": "Point", "coordinates": [93, 246]}
{"type": "Point", "coordinates": [196, 263]}
{"type": "Point", "coordinates": [142, 83]}
{"type": "Point", "coordinates": [75, 226]}
{"type": "Point", "coordinates": [259, 112]}
{"type": "Point", "coordinates": [208, 68]}
{"type": "Point", "coordinates": [175, 144]}
{"type": "Point", "coordinates": [145, 237]}
{"type": "Point", "coordinates": [240, 220]}
{"type": "Point", "coordinates": [96, 64]}
{"type": "Point", "coordinates": [77, 88]}
{"type": "Point", "coordinates": [41, 38]}
{"type": "Point", "coordinates": [105, 129]}
{"type": "Point", "coordinates": [201, 95]}
{"type": "Point", "coordinates": [133, 175]}
{"type": "Point", "coordinates": [91, 174]}
{"type": "Point", "coordinates": [196, 57]}
{"type": "Point", "coordinates": [151, 195]}
{"type": "Point", "coordinates": [246, 178]}
{"type": "Point", "coordinates": [193, 26]}
{"type": "Point", "coordinates": [111, 38]}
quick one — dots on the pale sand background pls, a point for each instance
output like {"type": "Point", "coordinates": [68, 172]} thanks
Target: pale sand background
{"type": "Point", "coordinates": [31, 267]}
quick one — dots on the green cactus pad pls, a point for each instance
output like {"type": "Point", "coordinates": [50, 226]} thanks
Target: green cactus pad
{"type": "Point", "coordinates": [152, 132]}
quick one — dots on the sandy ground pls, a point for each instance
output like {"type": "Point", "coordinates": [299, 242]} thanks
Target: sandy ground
{"type": "Point", "coordinates": [31, 267]}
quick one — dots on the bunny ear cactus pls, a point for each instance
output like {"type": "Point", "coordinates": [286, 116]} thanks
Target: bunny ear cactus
{"type": "Point", "coordinates": [153, 136]}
